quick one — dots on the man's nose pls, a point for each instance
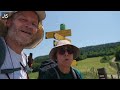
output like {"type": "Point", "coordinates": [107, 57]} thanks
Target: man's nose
{"type": "Point", "coordinates": [28, 24]}
{"type": "Point", "coordinates": [31, 27]}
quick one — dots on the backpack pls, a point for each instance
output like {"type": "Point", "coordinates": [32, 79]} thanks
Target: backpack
{"type": "Point", "coordinates": [2, 58]}
{"type": "Point", "coordinates": [46, 65]}
{"type": "Point", "coordinates": [50, 65]}
{"type": "Point", "coordinates": [2, 52]}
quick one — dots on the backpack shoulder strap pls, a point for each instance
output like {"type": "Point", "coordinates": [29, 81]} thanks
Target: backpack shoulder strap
{"type": "Point", "coordinates": [58, 76]}
{"type": "Point", "coordinates": [2, 52]}
{"type": "Point", "coordinates": [27, 66]}
{"type": "Point", "coordinates": [76, 74]}
{"type": "Point", "coordinates": [4, 71]}
{"type": "Point", "coordinates": [54, 73]}
{"type": "Point", "coordinates": [26, 60]}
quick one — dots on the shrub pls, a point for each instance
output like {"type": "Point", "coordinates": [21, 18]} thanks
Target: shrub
{"type": "Point", "coordinates": [105, 59]}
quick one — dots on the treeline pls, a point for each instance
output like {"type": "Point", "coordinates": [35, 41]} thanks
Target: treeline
{"type": "Point", "coordinates": [37, 62]}
{"type": "Point", "coordinates": [91, 51]}
{"type": "Point", "coordinates": [99, 50]}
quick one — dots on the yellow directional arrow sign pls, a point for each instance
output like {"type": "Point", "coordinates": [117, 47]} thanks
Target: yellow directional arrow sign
{"type": "Point", "coordinates": [61, 32]}
{"type": "Point", "coordinates": [60, 37]}
{"type": "Point", "coordinates": [74, 63]}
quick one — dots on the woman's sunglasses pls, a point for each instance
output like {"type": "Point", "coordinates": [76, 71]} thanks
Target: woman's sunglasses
{"type": "Point", "coordinates": [62, 50]}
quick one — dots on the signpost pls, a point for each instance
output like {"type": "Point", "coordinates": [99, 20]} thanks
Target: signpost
{"type": "Point", "coordinates": [61, 32]}
{"type": "Point", "coordinates": [59, 35]}
{"type": "Point", "coordinates": [62, 26]}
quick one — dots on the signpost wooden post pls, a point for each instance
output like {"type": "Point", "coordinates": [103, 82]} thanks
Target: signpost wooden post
{"type": "Point", "coordinates": [59, 35]}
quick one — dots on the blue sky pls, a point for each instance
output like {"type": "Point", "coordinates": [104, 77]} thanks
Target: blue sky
{"type": "Point", "coordinates": [88, 28]}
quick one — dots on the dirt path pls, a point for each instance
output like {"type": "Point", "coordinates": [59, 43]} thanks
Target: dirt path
{"type": "Point", "coordinates": [113, 60]}
{"type": "Point", "coordinates": [112, 77]}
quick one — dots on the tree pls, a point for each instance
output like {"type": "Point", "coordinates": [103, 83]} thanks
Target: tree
{"type": "Point", "coordinates": [105, 59]}
{"type": "Point", "coordinates": [117, 55]}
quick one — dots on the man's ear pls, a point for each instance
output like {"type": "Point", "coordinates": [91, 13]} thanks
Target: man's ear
{"type": "Point", "coordinates": [9, 22]}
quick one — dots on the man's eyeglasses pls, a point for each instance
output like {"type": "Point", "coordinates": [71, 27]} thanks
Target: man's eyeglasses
{"type": "Point", "coordinates": [62, 50]}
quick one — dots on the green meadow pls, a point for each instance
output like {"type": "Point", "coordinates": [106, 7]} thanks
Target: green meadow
{"type": "Point", "coordinates": [33, 75]}
{"type": "Point", "coordinates": [89, 67]}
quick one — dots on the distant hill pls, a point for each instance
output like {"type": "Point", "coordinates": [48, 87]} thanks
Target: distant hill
{"type": "Point", "coordinates": [99, 50]}
{"type": "Point", "coordinates": [41, 58]}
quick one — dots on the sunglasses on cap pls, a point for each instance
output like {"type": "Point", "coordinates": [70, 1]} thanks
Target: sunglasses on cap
{"type": "Point", "coordinates": [62, 50]}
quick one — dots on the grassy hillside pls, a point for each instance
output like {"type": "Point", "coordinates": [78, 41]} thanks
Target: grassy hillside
{"type": "Point", "coordinates": [87, 64]}
{"type": "Point", "coordinates": [33, 75]}
{"type": "Point", "coordinates": [89, 67]}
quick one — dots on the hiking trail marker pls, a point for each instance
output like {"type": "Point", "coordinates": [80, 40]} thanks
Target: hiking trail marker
{"type": "Point", "coordinates": [59, 35]}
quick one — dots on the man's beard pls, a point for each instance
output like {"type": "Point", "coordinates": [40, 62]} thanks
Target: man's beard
{"type": "Point", "coordinates": [13, 33]}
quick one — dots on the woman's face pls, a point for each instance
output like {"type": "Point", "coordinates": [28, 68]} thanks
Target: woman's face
{"type": "Point", "coordinates": [65, 55]}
